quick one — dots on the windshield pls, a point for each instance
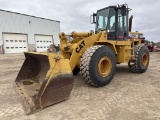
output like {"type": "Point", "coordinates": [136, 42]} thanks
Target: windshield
{"type": "Point", "coordinates": [102, 19]}
{"type": "Point", "coordinates": [106, 19]}
{"type": "Point", "coordinates": [112, 20]}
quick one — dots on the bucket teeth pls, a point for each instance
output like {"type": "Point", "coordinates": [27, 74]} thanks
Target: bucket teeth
{"type": "Point", "coordinates": [43, 80]}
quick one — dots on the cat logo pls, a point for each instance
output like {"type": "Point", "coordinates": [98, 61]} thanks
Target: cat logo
{"type": "Point", "coordinates": [78, 49]}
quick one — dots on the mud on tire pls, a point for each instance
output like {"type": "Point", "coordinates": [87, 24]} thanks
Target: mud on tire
{"type": "Point", "coordinates": [90, 62]}
{"type": "Point", "coordinates": [141, 61]}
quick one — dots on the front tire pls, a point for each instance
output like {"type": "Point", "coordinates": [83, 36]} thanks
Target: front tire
{"type": "Point", "coordinates": [98, 65]}
{"type": "Point", "coordinates": [141, 61]}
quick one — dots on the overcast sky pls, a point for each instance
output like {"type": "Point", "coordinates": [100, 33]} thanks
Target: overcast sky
{"type": "Point", "coordinates": [74, 15]}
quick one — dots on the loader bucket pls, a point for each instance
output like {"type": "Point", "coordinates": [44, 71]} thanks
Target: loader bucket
{"type": "Point", "coordinates": [44, 79]}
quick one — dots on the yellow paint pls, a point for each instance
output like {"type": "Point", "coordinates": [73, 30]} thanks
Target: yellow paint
{"type": "Point", "coordinates": [58, 65]}
{"type": "Point", "coordinates": [71, 51]}
{"type": "Point", "coordinates": [89, 41]}
{"type": "Point", "coordinates": [104, 66]}
{"type": "Point", "coordinates": [122, 48]}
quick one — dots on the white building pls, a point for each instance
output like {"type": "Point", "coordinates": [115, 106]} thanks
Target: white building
{"type": "Point", "coordinates": [20, 33]}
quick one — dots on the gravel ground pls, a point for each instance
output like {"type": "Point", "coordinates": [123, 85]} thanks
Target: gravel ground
{"type": "Point", "coordinates": [129, 96]}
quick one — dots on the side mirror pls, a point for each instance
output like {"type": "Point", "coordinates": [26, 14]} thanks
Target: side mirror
{"type": "Point", "coordinates": [123, 10]}
{"type": "Point", "coordinates": [93, 18]}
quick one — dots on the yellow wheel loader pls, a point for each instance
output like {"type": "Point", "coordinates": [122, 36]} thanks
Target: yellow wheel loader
{"type": "Point", "coordinates": [47, 78]}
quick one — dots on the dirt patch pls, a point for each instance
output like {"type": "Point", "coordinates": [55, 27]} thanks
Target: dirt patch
{"type": "Point", "coordinates": [129, 96]}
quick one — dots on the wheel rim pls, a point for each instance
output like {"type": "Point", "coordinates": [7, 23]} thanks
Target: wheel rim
{"type": "Point", "coordinates": [144, 59]}
{"type": "Point", "coordinates": [104, 66]}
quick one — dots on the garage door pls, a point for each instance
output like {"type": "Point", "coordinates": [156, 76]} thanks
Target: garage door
{"type": "Point", "coordinates": [15, 43]}
{"type": "Point", "coordinates": [43, 42]}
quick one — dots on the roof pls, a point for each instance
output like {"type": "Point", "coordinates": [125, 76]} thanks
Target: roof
{"type": "Point", "coordinates": [106, 8]}
{"type": "Point", "coordinates": [112, 6]}
{"type": "Point", "coordinates": [28, 15]}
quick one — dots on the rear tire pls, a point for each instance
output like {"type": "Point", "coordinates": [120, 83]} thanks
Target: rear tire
{"type": "Point", "coordinates": [98, 65]}
{"type": "Point", "coordinates": [141, 61]}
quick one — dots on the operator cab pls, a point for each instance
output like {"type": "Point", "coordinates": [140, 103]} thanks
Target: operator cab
{"type": "Point", "coordinates": [114, 19]}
